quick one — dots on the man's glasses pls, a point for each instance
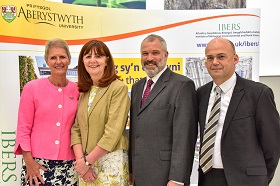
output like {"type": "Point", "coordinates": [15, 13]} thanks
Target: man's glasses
{"type": "Point", "coordinates": [219, 57]}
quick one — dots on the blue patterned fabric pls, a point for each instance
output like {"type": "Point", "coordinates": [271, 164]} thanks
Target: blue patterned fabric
{"type": "Point", "coordinates": [59, 173]}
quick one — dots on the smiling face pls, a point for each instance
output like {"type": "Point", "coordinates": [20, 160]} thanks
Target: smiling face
{"type": "Point", "coordinates": [153, 57]}
{"type": "Point", "coordinates": [220, 59]}
{"type": "Point", "coordinates": [58, 60]}
{"type": "Point", "coordinates": [95, 65]}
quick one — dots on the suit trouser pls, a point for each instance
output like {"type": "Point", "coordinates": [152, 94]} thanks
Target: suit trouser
{"type": "Point", "coordinates": [214, 177]}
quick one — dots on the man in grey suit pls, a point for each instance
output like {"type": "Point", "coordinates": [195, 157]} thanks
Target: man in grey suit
{"type": "Point", "coordinates": [163, 128]}
{"type": "Point", "coordinates": [246, 144]}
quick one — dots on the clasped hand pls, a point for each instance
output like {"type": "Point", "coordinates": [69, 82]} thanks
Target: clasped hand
{"type": "Point", "coordinates": [85, 172]}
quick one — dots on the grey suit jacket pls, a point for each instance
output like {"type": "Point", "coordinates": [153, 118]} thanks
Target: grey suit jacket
{"type": "Point", "coordinates": [163, 131]}
{"type": "Point", "coordinates": [250, 142]}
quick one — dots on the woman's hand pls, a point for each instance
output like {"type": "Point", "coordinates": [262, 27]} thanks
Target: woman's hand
{"type": "Point", "coordinates": [33, 169]}
{"type": "Point", "coordinates": [89, 176]}
{"type": "Point", "coordinates": [81, 167]}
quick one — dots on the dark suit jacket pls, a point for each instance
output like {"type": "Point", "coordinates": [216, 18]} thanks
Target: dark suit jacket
{"type": "Point", "coordinates": [163, 131]}
{"type": "Point", "coordinates": [250, 140]}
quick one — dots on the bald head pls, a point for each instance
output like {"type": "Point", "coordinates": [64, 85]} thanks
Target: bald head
{"type": "Point", "coordinates": [221, 59]}
{"type": "Point", "coordinates": [219, 40]}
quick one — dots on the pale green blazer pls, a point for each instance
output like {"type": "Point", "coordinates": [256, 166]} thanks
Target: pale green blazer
{"type": "Point", "coordinates": [104, 124]}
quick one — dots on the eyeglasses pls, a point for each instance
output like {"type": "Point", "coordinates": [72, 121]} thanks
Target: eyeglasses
{"type": "Point", "coordinates": [219, 57]}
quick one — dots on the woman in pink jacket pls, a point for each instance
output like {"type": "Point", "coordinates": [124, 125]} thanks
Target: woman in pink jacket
{"type": "Point", "coordinates": [46, 114]}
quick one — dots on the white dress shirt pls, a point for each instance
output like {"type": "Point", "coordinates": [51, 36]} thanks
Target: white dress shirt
{"type": "Point", "coordinates": [227, 90]}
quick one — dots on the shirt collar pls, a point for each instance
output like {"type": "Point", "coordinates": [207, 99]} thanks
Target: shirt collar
{"type": "Point", "coordinates": [227, 85]}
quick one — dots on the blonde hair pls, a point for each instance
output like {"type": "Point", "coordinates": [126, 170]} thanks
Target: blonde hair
{"type": "Point", "coordinates": [56, 42]}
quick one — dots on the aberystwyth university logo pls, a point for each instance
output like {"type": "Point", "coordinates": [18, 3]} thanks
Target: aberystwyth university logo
{"type": "Point", "coordinates": [9, 12]}
{"type": "Point", "coordinates": [40, 14]}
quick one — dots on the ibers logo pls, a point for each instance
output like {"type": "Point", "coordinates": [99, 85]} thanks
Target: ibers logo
{"type": "Point", "coordinates": [9, 12]}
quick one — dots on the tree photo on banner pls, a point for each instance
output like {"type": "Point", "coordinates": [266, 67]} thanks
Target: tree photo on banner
{"type": "Point", "coordinates": [26, 70]}
{"type": "Point", "coordinates": [203, 4]}
{"type": "Point", "coordinates": [134, 4]}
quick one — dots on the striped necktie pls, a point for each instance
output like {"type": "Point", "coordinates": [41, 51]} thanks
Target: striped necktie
{"type": "Point", "coordinates": [207, 147]}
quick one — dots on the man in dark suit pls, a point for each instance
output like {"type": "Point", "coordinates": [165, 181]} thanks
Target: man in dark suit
{"type": "Point", "coordinates": [163, 129]}
{"type": "Point", "coordinates": [246, 144]}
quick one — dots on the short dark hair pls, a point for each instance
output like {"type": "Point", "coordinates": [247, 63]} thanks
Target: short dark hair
{"type": "Point", "coordinates": [232, 45]}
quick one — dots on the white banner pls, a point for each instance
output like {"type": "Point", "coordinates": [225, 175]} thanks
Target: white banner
{"type": "Point", "coordinates": [26, 25]}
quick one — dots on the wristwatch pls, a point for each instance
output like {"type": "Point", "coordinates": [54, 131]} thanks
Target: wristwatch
{"type": "Point", "coordinates": [87, 163]}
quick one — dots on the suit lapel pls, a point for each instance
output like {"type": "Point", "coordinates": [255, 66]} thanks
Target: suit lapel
{"type": "Point", "coordinates": [139, 92]}
{"type": "Point", "coordinates": [203, 105]}
{"type": "Point", "coordinates": [237, 95]}
{"type": "Point", "coordinates": [158, 87]}
{"type": "Point", "coordinates": [83, 108]}
{"type": "Point", "coordinates": [99, 94]}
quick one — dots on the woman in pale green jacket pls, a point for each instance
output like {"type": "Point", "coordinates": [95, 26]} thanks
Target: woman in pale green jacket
{"type": "Point", "coordinates": [98, 135]}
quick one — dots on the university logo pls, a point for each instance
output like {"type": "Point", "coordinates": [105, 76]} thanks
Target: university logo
{"type": "Point", "coordinates": [9, 12]}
